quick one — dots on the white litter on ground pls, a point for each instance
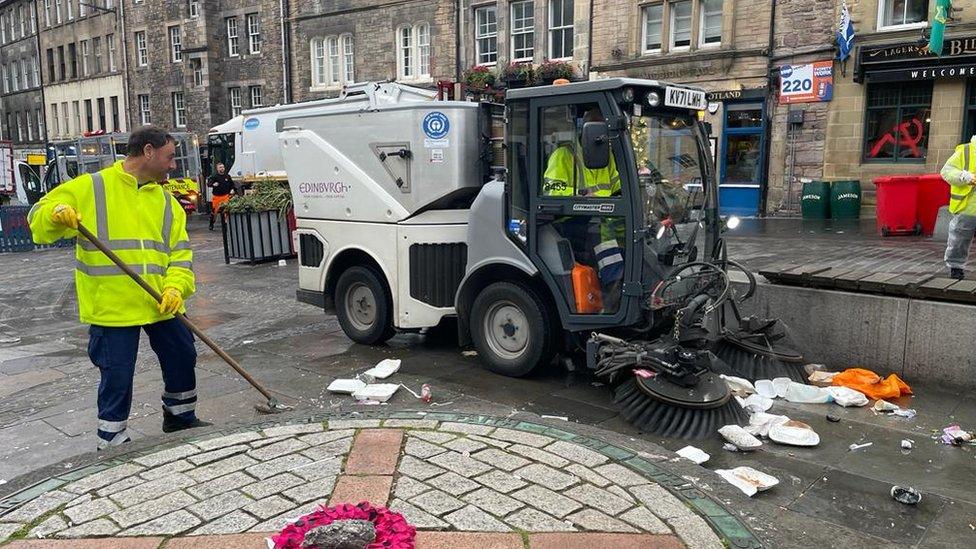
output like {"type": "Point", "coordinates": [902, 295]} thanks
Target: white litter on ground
{"type": "Point", "coordinates": [384, 369]}
{"type": "Point", "coordinates": [696, 455]}
{"type": "Point", "coordinates": [747, 479]}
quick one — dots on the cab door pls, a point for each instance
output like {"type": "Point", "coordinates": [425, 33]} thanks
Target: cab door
{"type": "Point", "coordinates": [579, 218]}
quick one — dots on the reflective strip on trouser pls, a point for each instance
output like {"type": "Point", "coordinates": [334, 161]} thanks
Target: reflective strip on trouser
{"type": "Point", "coordinates": [961, 231]}
{"type": "Point", "coordinates": [114, 351]}
{"type": "Point", "coordinates": [610, 261]}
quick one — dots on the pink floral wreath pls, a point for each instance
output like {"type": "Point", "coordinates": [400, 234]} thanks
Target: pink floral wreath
{"type": "Point", "coordinates": [392, 530]}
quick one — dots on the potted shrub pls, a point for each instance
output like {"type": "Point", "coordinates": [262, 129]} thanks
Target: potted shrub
{"type": "Point", "coordinates": [256, 226]}
{"type": "Point", "coordinates": [479, 78]}
{"type": "Point", "coordinates": [518, 75]}
{"type": "Point", "coordinates": [553, 70]}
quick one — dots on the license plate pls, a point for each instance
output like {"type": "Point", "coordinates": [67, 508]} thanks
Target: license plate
{"type": "Point", "coordinates": [684, 98]}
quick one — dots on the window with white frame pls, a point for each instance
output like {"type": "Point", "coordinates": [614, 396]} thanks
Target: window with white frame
{"type": "Point", "coordinates": [76, 109]}
{"type": "Point", "coordinates": [47, 13]}
{"type": "Point", "coordinates": [233, 47]}
{"type": "Point", "coordinates": [40, 123]}
{"type": "Point", "coordinates": [413, 45]}
{"type": "Point", "coordinates": [253, 33]}
{"type": "Point", "coordinates": [85, 58]}
{"type": "Point", "coordinates": [33, 18]}
{"type": "Point", "coordinates": [5, 76]}
{"type": "Point", "coordinates": [144, 115]}
{"type": "Point", "coordinates": [65, 119]}
{"type": "Point", "coordinates": [35, 71]}
{"type": "Point", "coordinates": [710, 33]}
{"type": "Point", "coordinates": [348, 59]}
{"type": "Point", "coordinates": [110, 40]}
{"type": "Point", "coordinates": [561, 29]}
{"type": "Point", "coordinates": [681, 25]}
{"type": "Point", "coordinates": [142, 51]}
{"type": "Point", "coordinates": [111, 3]}
{"type": "Point", "coordinates": [22, 15]}
{"type": "Point", "coordinates": [332, 45]}
{"type": "Point", "coordinates": [486, 35]}
{"type": "Point", "coordinates": [26, 72]}
{"type": "Point", "coordinates": [71, 14]}
{"type": "Point", "coordinates": [653, 28]}
{"type": "Point", "coordinates": [82, 7]}
{"type": "Point", "coordinates": [256, 100]}
{"type": "Point", "coordinates": [317, 50]}
{"type": "Point", "coordinates": [175, 44]}
{"type": "Point", "coordinates": [57, 11]}
{"type": "Point", "coordinates": [20, 129]}
{"type": "Point", "coordinates": [15, 74]}
{"type": "Point", "coordinates": [235, 101]}
{"type": "Point", "coordinates": [179, 110]}
{"type": "Point", "coordinates": [30, 125]}
{"type": "Point", "coordinates": [902, 13]}
{"type": "Point", "coordinates": [197, 66]}
{"type": "Point", "coordinates": [97, 51]}
{"type": "Point", "coordinates": [3, 28]}
{"type": "Point", "coordinates": [194, 9]}
{"type": "Point", "coordinates": [523, 30]}
{"type": "Point", "coordinates": [54, 118]}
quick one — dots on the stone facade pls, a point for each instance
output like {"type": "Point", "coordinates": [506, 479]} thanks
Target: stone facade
{"type": "Point", "coordinates": [374, 29]}
{"type": "Point", "coordinates": [81, 68]}
{"type": "Point", "coordinates": [22, 118]}
{"type": "Point", "coordinates": [208, 77]}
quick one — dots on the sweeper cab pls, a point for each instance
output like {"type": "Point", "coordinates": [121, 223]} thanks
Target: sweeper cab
{"type": "Point", "coordinates": [604, 220]}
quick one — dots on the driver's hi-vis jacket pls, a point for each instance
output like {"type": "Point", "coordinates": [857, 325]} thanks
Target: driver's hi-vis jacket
{"type": "Point", "coordinates": [144, 225]}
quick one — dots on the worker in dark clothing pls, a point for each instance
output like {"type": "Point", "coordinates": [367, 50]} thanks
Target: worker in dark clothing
{"type": "Point", "coordinates": [221, 188]}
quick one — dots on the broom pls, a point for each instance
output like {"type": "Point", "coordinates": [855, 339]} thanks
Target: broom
{"type": "Point", "coordinates": [760, 349]}
{"type": "Point", "coordinates": [653, 412]}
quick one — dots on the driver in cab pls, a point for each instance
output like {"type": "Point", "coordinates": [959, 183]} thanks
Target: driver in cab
{"type": "Point", "coordinates": [567, 176]}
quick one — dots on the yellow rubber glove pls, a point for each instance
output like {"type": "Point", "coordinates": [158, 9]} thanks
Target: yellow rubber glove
{"type": "Point", "coordinates": [64, 214]}
{"type": "Point", "coordinates": [172, 301]}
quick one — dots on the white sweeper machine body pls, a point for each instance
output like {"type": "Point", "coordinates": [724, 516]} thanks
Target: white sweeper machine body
{"type": "Point", "coordinates": [576, 219]}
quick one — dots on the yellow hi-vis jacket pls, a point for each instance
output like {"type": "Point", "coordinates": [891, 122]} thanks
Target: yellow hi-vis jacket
{"type": "Point", "coordinates": [964, 159]}
{"type": "Point", "coordinates": [567, 175]}
{"type": "Point", "coordinates": [144, 225]}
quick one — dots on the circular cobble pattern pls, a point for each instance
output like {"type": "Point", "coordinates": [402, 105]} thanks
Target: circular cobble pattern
{"type": "Point", "coordinates": [444, 472]}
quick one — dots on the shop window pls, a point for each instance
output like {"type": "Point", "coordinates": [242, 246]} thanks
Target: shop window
{"type": "Point", "coordinates": [902, 13]}
{"type": "Point", "coordinates": [897, 122]}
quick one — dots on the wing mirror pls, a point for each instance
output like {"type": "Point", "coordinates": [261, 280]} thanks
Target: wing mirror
{"type": "Point", "coordinates": [596, 145]}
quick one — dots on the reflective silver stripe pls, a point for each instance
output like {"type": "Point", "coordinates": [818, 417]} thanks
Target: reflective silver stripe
{"type": "Point", "coordinates": [183, 264]}
{"type": "Point", "coordinates": [33, 210]}
{"type": "Point", "coordinates": [112, 270]}
{"type": "Point", "coordinates": [181, 396]}
{"type": "Point", "coordinates": [167, 219]}
{"type": "Point", "coordinates": [967, 154]}
{"type": "Point", "coordinates": [101, 206]}
{"type": "Point", "coordinates": [958, 196]}
{"type": "Point", "coordinates": [156, 245]}
{"type": "Point", "coordinates": [611, 260]}
{"type": "Point", "coordinates": [120, 244]}
{"type": "Point", "coordinates": [181, 409]}
{"type": "Point", "coordinates": [605, 246]}
{"type": "Point", "coordinates": [602, 187]}
{"type": "Point", "coordinates": [117, 440]}
{"type": "Point", "coordinates": [182, 245]}
{"type": "Point", "coordinates": [111, 426]}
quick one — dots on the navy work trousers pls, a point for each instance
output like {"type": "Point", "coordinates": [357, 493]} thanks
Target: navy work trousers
{"type": "Point", "coordinates": [114, 350]}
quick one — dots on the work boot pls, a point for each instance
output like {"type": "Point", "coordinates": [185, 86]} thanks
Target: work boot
{"type": "Point", "coordinates": [956, 273]}
{"type": "Point", "coordinates": [172, 424]}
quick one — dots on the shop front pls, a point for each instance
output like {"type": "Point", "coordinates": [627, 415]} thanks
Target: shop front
{"type": "Point", "coordinates": [740, 148]}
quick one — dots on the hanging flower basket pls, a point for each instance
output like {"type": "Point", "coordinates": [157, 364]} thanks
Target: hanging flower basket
{"type": "Point", "coordinates": [392, 530]}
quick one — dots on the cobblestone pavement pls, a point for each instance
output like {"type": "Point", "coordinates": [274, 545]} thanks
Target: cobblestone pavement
{"type": "Point", "coordinates": [448, 473]}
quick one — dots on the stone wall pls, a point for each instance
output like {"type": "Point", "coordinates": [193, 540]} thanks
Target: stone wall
{"type": "Point", "coordinates": [28, 98]}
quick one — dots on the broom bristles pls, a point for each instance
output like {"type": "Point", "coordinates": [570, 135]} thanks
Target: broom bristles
{"type": "Point", "coordinates": [671, 420]}
{"type": "Point", "coordinates": [753, 366]}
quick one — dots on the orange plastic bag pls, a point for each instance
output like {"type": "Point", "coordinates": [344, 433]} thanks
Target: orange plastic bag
{"type": "Point", "coordinates": [871, 383]}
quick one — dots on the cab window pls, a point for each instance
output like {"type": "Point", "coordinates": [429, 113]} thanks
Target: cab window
{"type": "Point", "coordinates": [564, 174]}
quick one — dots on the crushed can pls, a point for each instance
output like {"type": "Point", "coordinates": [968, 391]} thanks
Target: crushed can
{"type": "Point", "coordinates": [425, 393]}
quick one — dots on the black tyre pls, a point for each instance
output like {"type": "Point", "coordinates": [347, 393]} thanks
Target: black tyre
{"type": "Point", "coordinates": [511, 330]}
{"type": "Point", "coordinates": [363, 306]}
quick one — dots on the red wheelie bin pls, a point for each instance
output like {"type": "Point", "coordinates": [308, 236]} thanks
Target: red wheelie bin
{"type": "Point", "coordinates": [898, 205]}
{"type": "Point", "coordinates": [933, 193]}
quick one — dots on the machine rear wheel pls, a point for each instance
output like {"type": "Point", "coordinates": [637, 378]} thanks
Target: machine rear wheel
{"type": "Point", "coordinates": [510, 329]}
{"type": "Point", "coordinates": [363, 307]}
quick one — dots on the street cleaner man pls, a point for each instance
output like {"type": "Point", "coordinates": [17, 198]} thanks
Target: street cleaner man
{"type": "Point", "coordinates": [959, 172]}
{"type": "Point", "coordinates": [221, 187]}
{"type": "Point", "coordinates": [125, 207]}
{"type": "Point", "coordinates": [567, 176]}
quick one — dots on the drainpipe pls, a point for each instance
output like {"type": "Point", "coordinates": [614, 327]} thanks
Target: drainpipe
{"type": "Point", "coordinates": [768, 111]}
{"type": "Point", "coordinates": [120, 20]}
{"type": "Point", "coordinates": [285, 51]}
{"type": "Point", "coordinates": [589, 48]}
{"type": "Point", "coordinates": [458, 31]}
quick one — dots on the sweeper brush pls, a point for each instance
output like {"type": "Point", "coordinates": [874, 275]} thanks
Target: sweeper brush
{"type": "Point", "coordinates": [671, 411]}
{"type": "Point", "coordinates": [760, 349]}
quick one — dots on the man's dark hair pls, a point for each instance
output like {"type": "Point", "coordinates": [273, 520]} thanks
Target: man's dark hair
{"type": "Point", "coordinates": [147, 135]}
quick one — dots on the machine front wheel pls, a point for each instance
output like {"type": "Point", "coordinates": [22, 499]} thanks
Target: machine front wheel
{"type": "Point", "coordinates": [363, 307]}
{"type": "Point", "coordinates": [510, 329]}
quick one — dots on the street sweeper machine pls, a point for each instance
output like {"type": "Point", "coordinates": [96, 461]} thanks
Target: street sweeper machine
{"type": "Point", "coordinates": [600, 237]}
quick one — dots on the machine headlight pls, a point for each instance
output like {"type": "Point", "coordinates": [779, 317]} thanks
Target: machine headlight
{"type": "Point", "coordinates": [653, 99]}
{"type": "Point", "coordinates": [733, 223]}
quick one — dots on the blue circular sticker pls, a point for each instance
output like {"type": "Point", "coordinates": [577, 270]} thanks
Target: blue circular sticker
{"type": "Point", "coordinates": [252, 124]}
{"type": "Point", "coordinates": [436, 125]}
{"type": "Point", "coordinates": [786, 71]}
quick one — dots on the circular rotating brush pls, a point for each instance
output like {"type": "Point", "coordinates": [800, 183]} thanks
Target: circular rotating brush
{"type": "Point", "coordinates": [664, 408]}
{"type": "Point", "coordinates": [761, 350]}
